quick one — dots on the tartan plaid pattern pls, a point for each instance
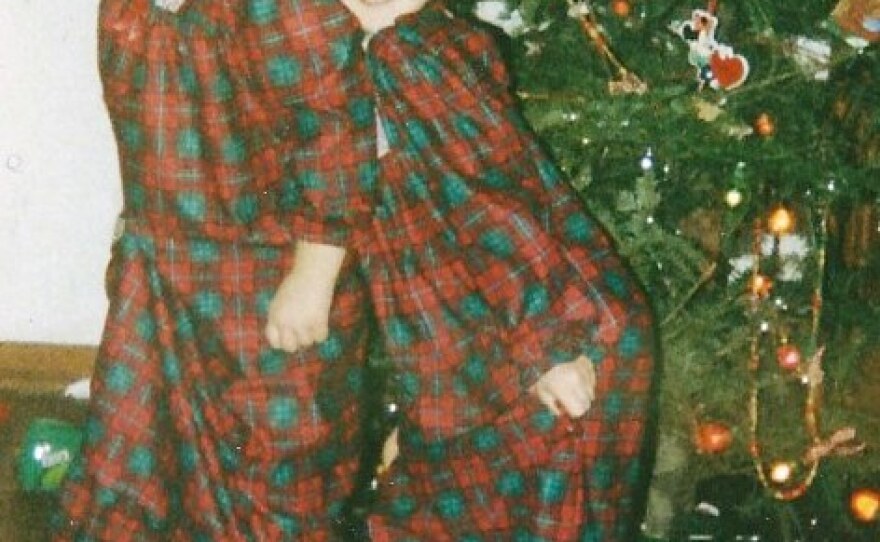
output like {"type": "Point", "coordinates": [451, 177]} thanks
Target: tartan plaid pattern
{"type": "Point", "coordinates": [241, 126]}
{"type": "Point", "coordinates": [198, 430]}
{"type": "Point", "coordinates": [241, 120]}
{"type": "Point", "coordinates": [485, 272]}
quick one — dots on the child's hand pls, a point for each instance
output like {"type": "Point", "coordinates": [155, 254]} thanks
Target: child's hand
{"type": "Point", "coordinates": [568, 387]}
{"type": "Point", "coordinates": [299, 313]}
{"type": "Point", "coordinates": [374, 15]}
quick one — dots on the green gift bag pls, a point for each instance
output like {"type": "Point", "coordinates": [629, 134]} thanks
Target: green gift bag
{"type": "Point", "coordinates": [45, 455]}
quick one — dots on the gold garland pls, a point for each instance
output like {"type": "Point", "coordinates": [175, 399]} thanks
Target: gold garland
{"type": "Point", "coordinates": [776, 476]}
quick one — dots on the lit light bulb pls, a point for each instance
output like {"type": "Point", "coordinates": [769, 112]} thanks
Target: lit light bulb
{"type": "Point", "coordinates": [780, 472]}
{"type": "Point", "coordinates": [647, 161]}
{"type": "Point", "coordinates": [760, 285]}
{"type": "Point", "coordinates": [733, 198]}
{"type": "Point", "coordinates": [781, 221]}
{"type": "Point", "coordinates": [865, 504]}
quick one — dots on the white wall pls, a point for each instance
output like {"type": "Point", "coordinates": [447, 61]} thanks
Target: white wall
{"type": "Point", "coordinates": [59, 188]}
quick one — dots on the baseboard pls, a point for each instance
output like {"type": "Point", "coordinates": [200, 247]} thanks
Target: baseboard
{"type": "Point", "coordinates": [41, 368]}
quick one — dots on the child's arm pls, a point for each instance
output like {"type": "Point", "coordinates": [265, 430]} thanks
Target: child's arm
{"type": "Point", "coordinates": [300, 310]}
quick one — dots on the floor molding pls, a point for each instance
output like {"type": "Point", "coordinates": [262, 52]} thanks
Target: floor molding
{"type": "Point", "coordinates": [41, 368]}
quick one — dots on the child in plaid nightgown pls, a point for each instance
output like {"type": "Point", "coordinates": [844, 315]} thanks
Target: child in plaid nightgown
{"type": "Point", "coordinates": [486, 275]}
{"type": "Point", "coordinates": [244, 129]}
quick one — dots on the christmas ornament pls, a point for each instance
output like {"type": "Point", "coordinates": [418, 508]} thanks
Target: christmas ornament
{"type": "Point", "coordinates": [760, 285]}
{"type": "Point", "coordinates": [812, 56]}
{"type": "Point", "coordinates": [764, 125]}
{"type": "Point", "coordinates": [707, 111]}
{"type": "Point", "coordinates": [712, 437]}
{"type": "Point", "coordinates": [717, 65]}
{"type": "Point", "coordinates": [781, 221]}
{"type": "Point", "coordinates": [864, 503]}
{"type": "Point", "coordinates": [621, 8]}
{"type": "Point", "coordinates": [788, 356]}
{"type": "Point", "coordinates": [626, 82]}
{"type": "Point", "coordinates": [860, 19]}
{"type": "Point", "coordinates": [45, 455]}
{"type": "Point", "coordinates": [791, 251]}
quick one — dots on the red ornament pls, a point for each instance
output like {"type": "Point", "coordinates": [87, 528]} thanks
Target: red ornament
{"type": "Point", "coordinates": [764, 125]}
{"type": "Point", "coordinates": [712, 437]}
{"type": "Point", "coordinates": [755, 448]}
{"type": "Point", "coordinates": [621, 8]}
{"type": "Point", "coordinates": [760, 285]}
{"type": "Point", "coordinates": [864, 503]}
{"type": "Point", "coordinates": [788, 356]}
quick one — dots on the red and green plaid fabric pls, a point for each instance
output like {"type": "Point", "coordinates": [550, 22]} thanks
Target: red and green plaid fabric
{"type": "Point", "coordinates": [198, 430]}
{"type": "Point", "coordinates": [244, 125]}
{"type": "Point", "coordinates": [241, 126]}
{"type": "Point", "coordinates": [486, 271]}
{"type": "Point", "coordinates": [241, 120]}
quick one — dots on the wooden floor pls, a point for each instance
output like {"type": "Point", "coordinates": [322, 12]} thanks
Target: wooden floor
{"type": "Point", "coordinates": [42, 368]}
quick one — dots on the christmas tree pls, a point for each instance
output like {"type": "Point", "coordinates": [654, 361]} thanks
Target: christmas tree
{"type": "Point", "coordinates": [732, 149]}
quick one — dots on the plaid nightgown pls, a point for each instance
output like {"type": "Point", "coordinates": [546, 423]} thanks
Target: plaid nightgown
{"type": "Point", "coordinates": [241, 126]}
{"type": "Point", "coordinates": [485, 271]}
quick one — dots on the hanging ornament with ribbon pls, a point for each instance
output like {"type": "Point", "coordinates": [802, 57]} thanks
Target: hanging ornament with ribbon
{"type": "Point", "coordinates": [624, 81]}
{"type": "Point", "coordinates": [718, 67]}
